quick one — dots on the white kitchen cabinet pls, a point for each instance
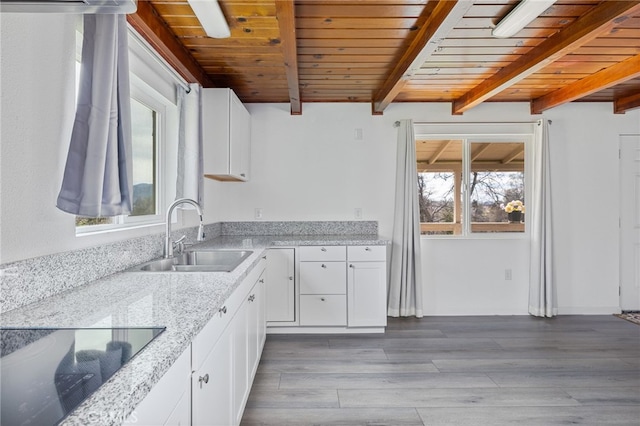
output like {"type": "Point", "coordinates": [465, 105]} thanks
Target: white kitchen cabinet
{"type": "Point", "coordinates": [226, 354]}
{"type": "Point", "coordinates": [340, 289]}
{"type": "Point", "coordinates": [248, 343]}
{"type": "Point", "coordinates": [258, 326]}
{"type": "Point", "coordinates": [226, 134]}
{"type": "Point", "coordinates": [367, 286]}
{"type": "Point", "coordinates": [165, 404]}
{"type": "Point", "coordinates": [212, 384]}
{"type": "Point", "coordinates": [323, 286]}
{"type": "Point", "coordinates": [280, 285]}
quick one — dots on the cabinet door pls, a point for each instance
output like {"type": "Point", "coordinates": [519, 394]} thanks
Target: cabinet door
{"type": "Point", "coordinates": [261, 335]}
{"type": "Point", "coordinates": [166, 396]}
{"type": "Point", "coordinates": [181, 415]}
{"type": "Point", "coordinates": [240, 350]}
{"type": "Point", "coordinates": [240, 145]}
{"type": "Point", "coordinates": [323, 278]}
{"type": "Point", "coordinates": [212, 384]}
{"type": "Point", "coordinates": [253, 339]}
{"type": "Point", "coordinates": [367, 294]}
{"type": "Point", "coordinates": [226, 134]}
{"type": "Point", "coordinates": [216, 133]}
{"type": "Point", "coordinates": [280, 285]}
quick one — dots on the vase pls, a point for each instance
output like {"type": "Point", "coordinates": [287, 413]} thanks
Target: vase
{"type": "Point", "coordinates": [515, 217]}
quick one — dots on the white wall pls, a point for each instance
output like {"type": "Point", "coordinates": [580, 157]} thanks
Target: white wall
{"type": "Point", "coordinates": [585, 171]}
{"type": "Point", "coordinates": [311, 167]}
{"type": "Point", "coordinates": [37, 86]}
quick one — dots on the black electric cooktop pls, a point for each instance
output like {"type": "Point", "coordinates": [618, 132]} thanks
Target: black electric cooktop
{"type": "Point", "coordinates": [46, 372]}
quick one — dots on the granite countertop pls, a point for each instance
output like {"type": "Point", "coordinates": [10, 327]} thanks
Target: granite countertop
{"type": "Point", "coordinates": [182, 302]}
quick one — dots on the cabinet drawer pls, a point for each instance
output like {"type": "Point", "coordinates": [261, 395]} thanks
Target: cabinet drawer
{"type": "Point", "coordinates": [323, 278]}
{"type": "Point", "coordinates": [322, 253]}
{"type": "Point", "coordinates": [323, 310]}
{"type": "Point", "coordinates": [366, 253]}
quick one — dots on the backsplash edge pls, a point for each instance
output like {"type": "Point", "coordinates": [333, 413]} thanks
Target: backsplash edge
{"type": "Point", "coordinates": [30, 280]}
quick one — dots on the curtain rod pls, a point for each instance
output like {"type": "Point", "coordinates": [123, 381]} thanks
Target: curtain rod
{"type": "Point", "coordinates": [475, 123]}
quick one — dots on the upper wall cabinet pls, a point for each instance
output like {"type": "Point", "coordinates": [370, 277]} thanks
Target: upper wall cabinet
{"type": "Point", "coordinates": [226, 131]}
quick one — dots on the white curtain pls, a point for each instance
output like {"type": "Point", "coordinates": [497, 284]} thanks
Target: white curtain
{"type": "Point", "coordinates": [542, 292]}
{"type": "Point", "coordinates": [405, 281]}
{"type": "Point", "coordinates": [190, 180]}
{"type": "Point", "coordinates": [98, 174]}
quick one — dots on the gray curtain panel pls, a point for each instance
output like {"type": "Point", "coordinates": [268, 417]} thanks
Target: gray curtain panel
{"type": "Point", "coordinates": [542, 290]}
{"type": "Point", "coordinates": [190, 179]}
{"type": "Point", "coordinates": [98, 174]}
{"type": "Point", "coordinates": [405, 280]}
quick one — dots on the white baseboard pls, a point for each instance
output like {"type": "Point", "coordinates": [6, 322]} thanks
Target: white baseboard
{"type": "Point", "coordinates": [589, 310]}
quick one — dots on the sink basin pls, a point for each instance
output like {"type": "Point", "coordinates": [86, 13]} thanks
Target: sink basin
{"type": "Point", "coordinates": [197, 261]}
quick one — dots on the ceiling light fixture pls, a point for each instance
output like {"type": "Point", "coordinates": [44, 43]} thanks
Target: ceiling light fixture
{"type": "Point", "coordinates": [525, 12]}
{"type": "Point", "coordinates": [211, 18]}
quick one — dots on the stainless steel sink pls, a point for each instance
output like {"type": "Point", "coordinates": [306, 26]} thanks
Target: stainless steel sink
{"type": "Point", "coordinates": [215, 260]}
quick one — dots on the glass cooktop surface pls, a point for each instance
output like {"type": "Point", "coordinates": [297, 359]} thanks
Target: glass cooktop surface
{"type": "Point", "coordinates": [46, 372]}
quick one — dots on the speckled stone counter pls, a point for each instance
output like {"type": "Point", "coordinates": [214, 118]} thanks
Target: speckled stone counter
{"type": "Point", "coordinates": [182, 302]}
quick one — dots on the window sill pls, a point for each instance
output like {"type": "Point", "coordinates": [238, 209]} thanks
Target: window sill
{"type": "Point", "coordinates": [99, 230]}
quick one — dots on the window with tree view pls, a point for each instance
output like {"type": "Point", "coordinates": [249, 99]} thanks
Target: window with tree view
{"type": "Point", "coordinates": [144, 122]}
{"type": "Point", "coordinates": [493, 173]}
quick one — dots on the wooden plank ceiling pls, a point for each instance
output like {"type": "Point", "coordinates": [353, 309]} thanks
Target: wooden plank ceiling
{"type": "Point", "coordinates": [385, 51]}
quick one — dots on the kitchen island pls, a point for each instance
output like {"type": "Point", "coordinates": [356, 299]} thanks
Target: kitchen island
{"type": "Point", "coordinates": [182, 302]}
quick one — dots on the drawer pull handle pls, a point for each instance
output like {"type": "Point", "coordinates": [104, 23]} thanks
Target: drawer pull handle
{"type": "Point", "coordinates": [264, 257]}
{"type": "Point", "coordinates": [351, 265]}
{"type": "Point", "coordinates": [261, 280]}
{"type": "Point", "coordinates": [204, 379]}
{"type": "Point", "coordinates": [290, 278]}
{"type": "Point", "coordinates": [223, 310]}
{"type": "Point", "coordinates": [323, 249]}
{"type": "Point", "coordinates": [367, 249]}
{"type": "Point", "coordinates": [252, 298]}
{"type": "Point", "coordinates": [322, 299]}
{"type": "Point", "coordinates": [323, 265]}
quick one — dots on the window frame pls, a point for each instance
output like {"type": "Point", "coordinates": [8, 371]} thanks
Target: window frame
{"type": "Point", "coordinates": [144, 94]}
{"type": "Point", "coordinates": [155, 94]}
{"type": "Point", "coordinates": [470, 133]}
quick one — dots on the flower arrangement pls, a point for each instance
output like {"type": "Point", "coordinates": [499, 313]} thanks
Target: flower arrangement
{"type": "Point", "coordinates": [514, 206]}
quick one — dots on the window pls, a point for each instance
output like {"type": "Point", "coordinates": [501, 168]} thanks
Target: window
{"type": "Point", "coordinates": [145, 129]}
{"type": "Point", "coordinates": [150, 113]}
{"type": "Point", "coordinates": [480, 178]}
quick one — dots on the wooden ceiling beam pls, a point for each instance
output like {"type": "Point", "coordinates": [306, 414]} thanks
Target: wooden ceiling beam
{"type": "Point", "coordinates": [285, 13]}
{"type": "Point", "coordinates": [626, 103]}
{"type": "Point", "coordinates": [439, 152]}
{"type": "Point", "coordinates": [481, 148]}
{"type": "Point", "coordinates": [439, 21]}
{"type": "Point", "coordinates": [608, 77]}
{"type": "Point", "coordinates": [513, 154]}
{"type": "Point", "coordinates": [599, 20]}
{"type": "Point", "coordinates": [153, 29]}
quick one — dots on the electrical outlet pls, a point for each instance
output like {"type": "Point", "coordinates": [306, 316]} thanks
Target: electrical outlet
{"type": "Point", "coordinates": [507, 274]}
{"type": "Point", "coordinates": [258, 213]}
{"type": "Point", "coordinates": [357, 212]}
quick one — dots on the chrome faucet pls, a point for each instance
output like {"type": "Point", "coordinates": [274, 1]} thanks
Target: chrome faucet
{"type": "Point", "coordinates": [168, 244]}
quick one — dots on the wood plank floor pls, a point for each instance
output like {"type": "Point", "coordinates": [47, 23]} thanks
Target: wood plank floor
{"type": "Point", "coordinates": [499, 370]}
